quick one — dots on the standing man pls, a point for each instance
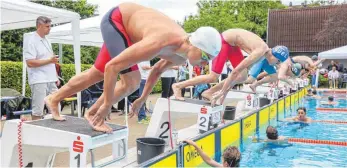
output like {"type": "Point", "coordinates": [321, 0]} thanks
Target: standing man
{"type": "Point", "coordinates": [144, 68]}
{"type": "Point", "coordinates": [168, 78]}
{"type": "Point", "coordinates": [40, 59]}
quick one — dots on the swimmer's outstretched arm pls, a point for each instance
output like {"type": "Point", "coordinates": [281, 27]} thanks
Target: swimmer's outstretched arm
{"type": "Point", "coordinates": [252, 58]}
{"type": "Point", "coordinates": [153, 77]}
{"type": "Point", "coordinates": [203, 155]}
{"type": "Point", "coordinates": [146, 49]}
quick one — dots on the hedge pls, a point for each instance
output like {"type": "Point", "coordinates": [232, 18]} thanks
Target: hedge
{"type": "Point", "coordinates": [11, 75]}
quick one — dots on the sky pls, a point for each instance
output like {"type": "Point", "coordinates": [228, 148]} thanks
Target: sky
{"type": "Point", "coordinates": [176, 9]}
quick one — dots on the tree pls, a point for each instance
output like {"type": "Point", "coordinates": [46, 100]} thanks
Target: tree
{"type": "Point", "coordinates": [12, 40]}
{"type": "Point", "coordinates": [223, 15]}
{"type": "Point", "coordinates": [334, 28]}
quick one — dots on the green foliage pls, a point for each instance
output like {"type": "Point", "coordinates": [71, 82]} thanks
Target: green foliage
{"type": "Point", "coordinates": [224, 15]}
{"type": "Point", "coordinates": [11, 76]}
{"type": "Point", "coordinates": [12, 40]}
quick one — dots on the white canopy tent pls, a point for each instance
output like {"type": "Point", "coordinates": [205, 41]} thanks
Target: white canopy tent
{"type": "Point", "coordinates": [17, 14]}
{"type": "Point", "coordinates": [90, 34]}
{"type": "Point", "coordinates": [336, 53]}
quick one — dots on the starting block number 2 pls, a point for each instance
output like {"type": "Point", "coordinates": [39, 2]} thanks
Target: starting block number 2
{"type": "Point", "coordinates": [203, 119]}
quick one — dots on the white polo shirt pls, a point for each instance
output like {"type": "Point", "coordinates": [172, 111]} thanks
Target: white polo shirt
{"type": "Point", "coordinates": [39, 48]}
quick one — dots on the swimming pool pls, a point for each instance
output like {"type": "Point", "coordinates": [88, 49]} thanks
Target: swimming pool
{"type": "Point", "coordinates": [301, 155]}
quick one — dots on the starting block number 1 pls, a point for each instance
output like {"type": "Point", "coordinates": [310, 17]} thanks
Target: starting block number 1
{"type": "Point", "coordinates": [78, 154]}
{"type": "Point", "coordinates": [203, 119]}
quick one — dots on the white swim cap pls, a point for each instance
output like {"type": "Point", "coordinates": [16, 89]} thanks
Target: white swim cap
{"type": "Point", "coordinates": [207, 39]}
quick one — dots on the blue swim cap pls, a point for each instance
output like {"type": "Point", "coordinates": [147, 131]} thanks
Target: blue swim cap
{"type": "Point", "coordinates": [280, 52]}
{"type": "Point", "coordinates": [296, 69]}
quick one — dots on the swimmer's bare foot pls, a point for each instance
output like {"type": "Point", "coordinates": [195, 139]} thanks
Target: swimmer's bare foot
{"type": "Point", "coordinates": [53, 108]}
{"type": "Point", "coordinates": [206, 96]}
{"type": "Point", "coordinates": [252, 87]}
{"type": "Point", "coordinates": [102, 127]}
{"type": "Point", "coordinates": [177, 92]}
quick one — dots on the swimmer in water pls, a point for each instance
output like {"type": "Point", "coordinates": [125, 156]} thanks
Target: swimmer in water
{"type": "Point", "coordinates": [231, 156]}
{"type": "Point", "coordinates": [329, 102]}
{"type": "Point", "coordinates": [272, 136]}
{"type": "Point", "coordinates": [301, 117]}
{"type": "Point", "coordinates": [314, 93]}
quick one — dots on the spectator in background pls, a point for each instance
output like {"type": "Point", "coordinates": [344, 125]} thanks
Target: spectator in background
{"type": "Point", "coordinates": [182, 76]}
{"type": "Point", "coordinates": [333, 76]}
{"type": "Point", "coordinates": [40, 59]}
{"type": "Point", "coordinates": [197, 70]}
{"type": "Point", "coordinates": [144, 68]}
{"type": "Point", "coordinates": [339, 66]}
{"type": "Point", "coordinates": [225, 71]}
{"type": "Point", "coordinates": [167, 79]}
{"type": "Point", "coordinates": [330, 66]}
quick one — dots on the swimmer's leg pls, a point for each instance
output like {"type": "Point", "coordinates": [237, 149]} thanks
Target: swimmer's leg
{"type": "Point", "coordinates": [75, 84]}
{"type": "Point", "coordinates": [267, 79]}
{"type": "Point", "coordinates": [128, 83]}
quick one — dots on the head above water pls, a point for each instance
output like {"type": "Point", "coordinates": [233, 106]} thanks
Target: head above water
{"type": "Point", "coordinates": [331, 98]}
{"type": "Point", "coordinates": [301, 112]}
{"type": "Point", "coordinates": [206, 43]}
{"type": "Point", "coordinates": [314, 92]}
{"type": "Point", "coordinates": [231, 157]}
{"type": "Point", "coordinates": [280, 52]}
{"type": "Point", "coordinates": [271, 133]}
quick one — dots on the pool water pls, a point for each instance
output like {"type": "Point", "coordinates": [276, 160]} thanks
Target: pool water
{"type": "Point", "coordinates": [301, 155]}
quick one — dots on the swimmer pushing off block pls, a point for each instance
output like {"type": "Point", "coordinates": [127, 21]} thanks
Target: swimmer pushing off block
{"type": "Point", "coordinates": [133, 33]}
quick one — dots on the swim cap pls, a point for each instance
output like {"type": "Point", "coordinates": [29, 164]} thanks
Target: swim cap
{"type": "Point", "coordinates": [207, 39]}
{"type": "Point", "coordinates": [296, 69]}
{"type": "Point", "coordinates": [280, 52]}
{"type": "Point", "coordinates": [314, 57]}
{"type": "Point", "coordinates": [271, 133]}
{"type": "Point", "coordinates": [330, 98]}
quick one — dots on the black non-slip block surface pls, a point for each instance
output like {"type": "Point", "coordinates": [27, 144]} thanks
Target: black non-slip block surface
{"type": "Point", "coordinates": [73, 124]}
{"type": "Point", "coordinates": [194, 101]}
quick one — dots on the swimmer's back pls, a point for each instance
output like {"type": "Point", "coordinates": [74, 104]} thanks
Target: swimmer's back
{"type": "Point", "coordinates": [246, 40]}
{"type": "Point", "coordinates": [140, 21]}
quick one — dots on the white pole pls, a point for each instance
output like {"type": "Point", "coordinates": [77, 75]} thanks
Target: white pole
{"type": "Point", "coordinates": [190, 77]}
{"type": "Point", "coordinates": [60, 53]}
{"type": "Point", "coordinates": [317, 77]}
{"type": "Point", "coordinates": [76, 39]}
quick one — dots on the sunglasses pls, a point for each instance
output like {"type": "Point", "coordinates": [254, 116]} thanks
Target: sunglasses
{"type": "Point", "coordinates": [204, 56]}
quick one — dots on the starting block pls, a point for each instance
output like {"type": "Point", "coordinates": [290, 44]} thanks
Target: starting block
{"type": "Point", "coordinates": [159, 124]}
{"type": "Point", "coordinates": [35, 143]}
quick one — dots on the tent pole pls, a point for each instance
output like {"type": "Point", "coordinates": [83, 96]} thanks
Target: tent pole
{"type": "Point", "coordinates": [75, 26]}
{"type": "Point", "coordinates": [60, 53]}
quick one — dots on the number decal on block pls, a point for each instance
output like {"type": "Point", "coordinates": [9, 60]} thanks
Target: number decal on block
{"type": "Point", "coordinates": [78, 158]}
{"type": "Point", "coordinates": [166, 129]}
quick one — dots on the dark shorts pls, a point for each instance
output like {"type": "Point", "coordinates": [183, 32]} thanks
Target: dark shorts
{"type": "Point", "coordinates": [116, 40]}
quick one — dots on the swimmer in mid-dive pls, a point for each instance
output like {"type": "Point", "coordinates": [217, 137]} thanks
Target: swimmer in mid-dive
{"type": "Point", "coordinates": [258, 51]}
{"type": "Point", "coordinates": [285, 72]}
{"type": "Point", "coordinates": [231, 156]}
{"type": "Point", "coordinates": [272, 136]}
{"type": "Point", "coordinates": [301, 117]}
{"type": "Point", "coordinates": [133, 33]}
{"type": "Point", "coordinates": [230, 51]}
{"type": "Point", "coordinates": [329, 102]}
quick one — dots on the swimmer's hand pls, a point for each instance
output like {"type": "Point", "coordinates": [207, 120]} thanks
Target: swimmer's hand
{"type": "Point", "coordinates": [218, 98]}
{"type": "Point", "coordinates": [190, 142]}
{"type": "Point", "coordinates": [135, 107]}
